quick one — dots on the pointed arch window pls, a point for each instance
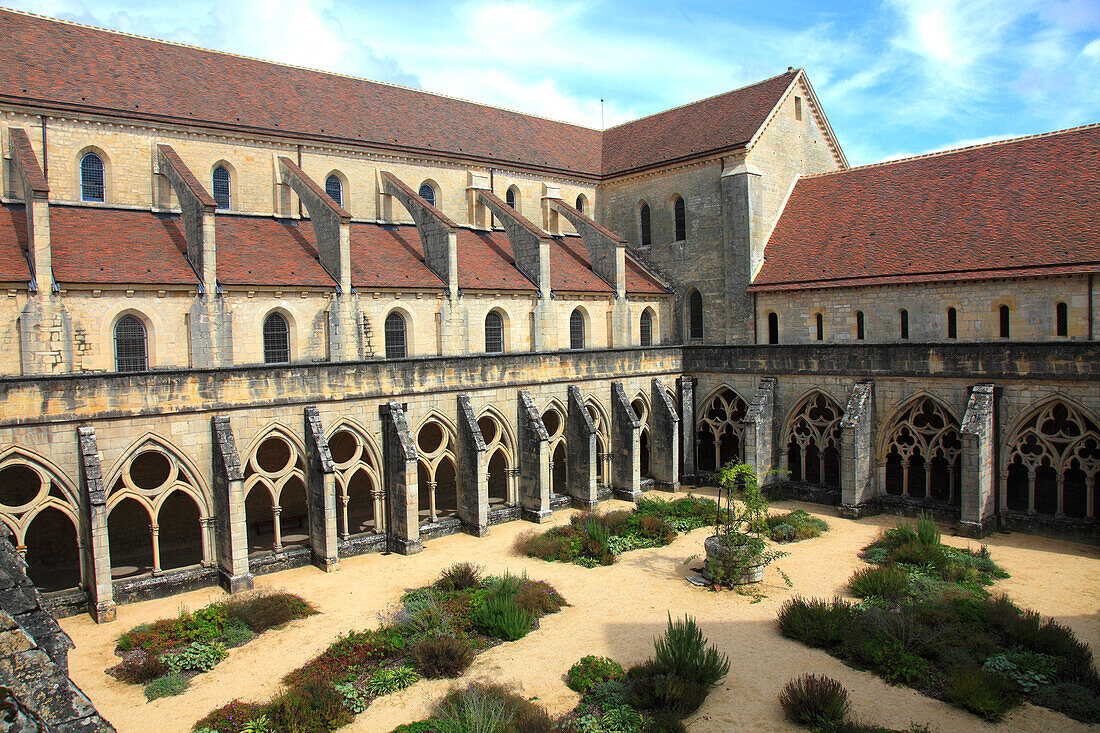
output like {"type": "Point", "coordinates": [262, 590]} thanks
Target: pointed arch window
{"type": "Point", "coordinates": [695, 315]}
{"type": "Point", "coordinates": [93, 182]}
{"type": "Point", "coordinates": [679, 212]}
{"type": "Point", "coordinates": [773, 328]}
{"type": "Point", "coordinates": [221, 187]}
{"type": "Point", "coordinates": [644, 225]}
{"type": "Point", "coordinates": [512, 198]}
{"type": "Point", "coordinates": [427, 193]}
{"type": "Point", "coordinates": [131, 345]}
{"type": "Point", "coordinates": [647, 328]}
{"type": "Point", "coordinates": [276, 340]}
{"type": "Point", "coordinates": [1061, 318]}
{"type": "Point", "coordinates": [580, 203]}
{"type": "Point", "coordinates": [494, 333]}
{"type": "Point", "coordinates": [396, 346]}
{"type": "Point", "coordinates": [576, 330]}
{"type": "Point", "coordinates": [334, 187]}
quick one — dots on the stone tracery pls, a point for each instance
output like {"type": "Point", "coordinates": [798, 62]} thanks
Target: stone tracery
{"type": "Point", "coordinates": [922, 452]}
{"type": "Point", "coordinates": [1053, 463]}
{"type": "Point", "coordinates": [812, 440]}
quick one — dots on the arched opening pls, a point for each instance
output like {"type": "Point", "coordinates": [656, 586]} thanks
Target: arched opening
{"type": "Point", "coordinates": [679, 215]}
{"type": "Point", "coordinates": [19, 485]}
{"type": "Point", "coordinates": [720, 431]}
{"type": "Point", "coordinates": [425, 493]}
{"type": "Point", "coordinates": [646, 328]}
{"type": "Point", "coordinates": [581, 203]}
{"type": "Point", "coordinates": [643, 458]}
{"type": "Point", "coordinates": [903, 323]}
{"type": "Point", "coordinates": [53, 555]}
{"type": "Point", "coordinates": [222, 187]}
{"type": "Point", "coordinates": [952, 323]}
{"type": "Point", "coordinates": [1061, 319]}
{"type": "Point", "coordinates": [559, 469]}
{"type": "Point", "coordinates": [695, 315]}
{"type": "Point", "coordinates": [294, 514]}
{"type": "Point", "coordinates": [446, 489]}
{"type": "Point", "coordinates": [813, 441]}
{"type": "Point", "coordinates": [498, 479]}
{"type": "Point", "coordinates": [276, 339]}
{"type": "Point", "coordinates": [820, 326]}
{"type": "Point", "coordinates": [130, 539]}
{"type": "Point", "coordinates": [396, 347]}
{"type": "Point", "coordinates": [334, 187]}
{"type": "Point", "coordinates": [179, 531]}
{"type": "Point", "coordinates": [773, 328]}
{"type": "Point", "coordinates": [860, 329]}
{"type": "Point", "coordinates": [260, 521]}
{"type": "Point", "coordinates": [1017, 486]}
{"type": "Point", "coordinates": [1075, 484]}
{"type": "Point", "coordinates": [131, 350]}
{"type": "Point", "coordinates": [360, 516]}
{"type": "Point", "coordinates": [1005, 321]}
{"type": "Point", "coordinates": [645, 228]}
{"type": "Point", "coordinates": [494, 333]}
{"type": "Point", "coordinates": [576, 329]}
{"type": "Point", "coordinates": [923, 450]}
{"type": "Point", "coordinates": [93, 179]}
{"type": "Point", "coordinates": [512, 198]}
{"type": "Point", "coordinates": [427, 192]}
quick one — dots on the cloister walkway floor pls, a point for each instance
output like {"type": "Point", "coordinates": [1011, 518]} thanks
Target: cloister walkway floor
{"type": "Point", "coordinates": [616, 611]}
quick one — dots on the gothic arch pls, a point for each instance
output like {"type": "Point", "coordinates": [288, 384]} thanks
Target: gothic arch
{"type": "Point", "coordinates": [437, 467]}
{"type": "Point", "coordinates": [1052, 460]}
{"type": "Point", "coordinates": [640, 405]}
{"type": "Point", "coordinates": [358, 480]}
{"type": "Point", "coordinates": [920, 451]}
{"type": "Point", "coordinates": [720, 432]}
{"type": "Point", "coordinates": [500, 442]}
{"type": "Point", "coordinates": [602, 421]}
{"type": "Point", "coordinates": [275, 487]}
{"type": "Point", "coordinates": [556, 428]}
{"type": "Point", "coordinates": [811, 438]}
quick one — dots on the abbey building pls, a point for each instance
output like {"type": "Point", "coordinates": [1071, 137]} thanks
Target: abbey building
{"type": "Point", "coordinates": [258, 316]}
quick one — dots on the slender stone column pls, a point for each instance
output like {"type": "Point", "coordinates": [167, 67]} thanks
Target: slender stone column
{"type": "Point", "coordinates": [626, 432]}
{"type": "Point", "coordinates": [399, 476]}
{"type": "Point", "coordinates": [857, 457]}
{"type": "Point", "coordinates": [473, 472]}
{"type": "Point", "coordinates": [321, 489]}
{"type": "Point", "coordinates": [229, 514]}
{"type": "Point", "coordinates": [580, 436]}
{"type": "Point", "coordinates": [978, 498]}
{"type": "Point", "coordinates": [664, 436]}
{"type": "Point", "coordinates": [760, 431]}
{"type": "Point", "coordinates": [101, 603]}
{"type": "Point", "coordinates": [687, 426]}
{"type": "Point", "coordinates": [533, 456]}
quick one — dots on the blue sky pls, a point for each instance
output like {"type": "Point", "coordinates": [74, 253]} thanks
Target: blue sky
{"type": "Point", "coordinates": [896, 77]}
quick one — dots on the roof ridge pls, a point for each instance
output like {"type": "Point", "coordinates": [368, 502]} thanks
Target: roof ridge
{"type": "Point", "coordinates": [953, 151]}
{"type": "Point", "coordinates": [296, 66]}
{"type": "Point", "coordinates": [792, 71]}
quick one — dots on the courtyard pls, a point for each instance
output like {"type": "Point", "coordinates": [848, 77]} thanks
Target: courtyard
{"type": "Point", "coordinates": [615, 611]}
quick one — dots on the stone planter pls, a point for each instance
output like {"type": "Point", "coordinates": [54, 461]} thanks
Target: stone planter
{"type": "Point", "coordinates": [716, 552]}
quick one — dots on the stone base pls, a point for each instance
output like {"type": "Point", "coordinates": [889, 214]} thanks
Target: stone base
{"type": "Point", "coordinates": [476, 530]}
{"type": "Point", "coordinates": [577, 503]}
{"type": "Point", "coordinates": [1085, 531]}
{"type": "Point", "coordinates": [674, 486]}
{"type": "Point", "coordinates": [978, 530]}
{"type": "Point", "coordinates": [402, 546]}
{"type": "Point", "coordinates": [627, 494]}
{"type": "Point", "coordinates": [857, 511]}
{"type": "Point", "coordinates": [102, 613]}
{"type": "Point", "coordinates": [236, 583]}
{"type": "Point", "coordinates": [538, 516]}
{"type": "Point", "coordinates": [328, 564]}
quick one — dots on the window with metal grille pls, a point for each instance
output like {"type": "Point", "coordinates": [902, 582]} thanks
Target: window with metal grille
{"type": "Point", "coordinates": [221, 187]}
{"type": "Point", "coordinates": [276, 340]}
{"type": "Point", "coordinates": [647, 328]}
{"type": "Point", "coordinates": [494, 333]}
{"type": "Point", "coordinates": [643, 225]}
{"type": "Point", "coordinates": [859, 325]}
{"type": "Point", "coordinates": [773, 328]}
{"type": "Point", "coordinates": [695, 315]}
{"type": "Point", "coordinates": [680, 217]}
{"type": "Point", "coordinates": [820, 327]}
{"type": "Point", "coordinates": [427, 193]}
{"type": "Point", "coordinates": [904, 317]}
{"type": "Point", "coordinates": [1061, 317]}
{"type": "Point", "coordinates": [576, 330]}
{"type": "Point", "coordinates": [1004, 321]}
{"type": "Point", "coordinates": [92, 181]}
{"type": "Point", "coordinates": [512, 198]}
{"type": "Point", "coordinates": [952, 323]}
{"type": "Point", "coordinates": [395, 336]}
{"type": "Point", "coordinates": [334, 187]}
{"type": "Point", "coordinates": [131, 354]}
{"type": "Point", "coordinates": [580, 203]}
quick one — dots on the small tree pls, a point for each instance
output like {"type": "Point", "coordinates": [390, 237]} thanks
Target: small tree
{"type": "Point", "coordinates": [741, 526]}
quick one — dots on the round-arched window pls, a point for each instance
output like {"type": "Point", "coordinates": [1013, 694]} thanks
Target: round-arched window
{"type": "Point", "coordinates": [427, 193]}
{"type": "Point", "coordinates": [576, 329]}
{"type": "Point", "coordinates": [494, 333]}
{"type": "Point", "coordinates": [93, 183]}
{"type": "Point", "coordinates": [221, 187]}
{"type": "Point", "coordinates": [131, 347]}
{"type": "Point", "coordinates": [647, 328]}
{"type": "Point", "coordinates": [396, 346]}
{"type": "Point", "coordinates": [276, 340]}
{"type": "Point", "coordinates": [334, 187]}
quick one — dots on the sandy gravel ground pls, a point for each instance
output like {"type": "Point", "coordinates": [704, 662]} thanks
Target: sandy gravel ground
{"type": "Point", "coordinates": [616, 611]}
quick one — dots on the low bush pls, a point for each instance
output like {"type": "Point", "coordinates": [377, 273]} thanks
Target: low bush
{"type": "Point", "coordinates": [538, 597]}
{"type": "Point", "coordinates": [262, 610]}
{"type": "Point", "coordinates": [236, 634]}
{"type": "Point", "coordinates": [1072, 700]}
{"type": "Point", "coordinates": [460, 576]}
{"type": "Point", "coordinates": [355, 699]}
{"type": "Point", "coordinates": [928, 534]}
{"type": "Point", "coordinates": [230, 718]}
{"type": "Point", "coordinates": [683, 653]}
{"type": "Point", "coordinates": [139, 670]}
{"type": "Point", "coordinates": [490, 708]}
{"type": "Point", "coordinates": [887, 582]}
{"type": "Point", "coordinates": [358, 649]}
{"type": "Point", "coordinates": [420, 726]}
{"type": "Point", "coordinates": [315, 707]}
{"type": "Point", "coordinates": [501, 618]}
{"type": "Point", "coordinates": [818, 702]}
{"type": "Point", "coordinates": [610, 693]}
{"type": "Point", "coordinates": [169, 685]}
{"type": "Point", "coordinates": [591, 671]}
{"type": "Point", "coordinates": [385, 681]}
{"type": "Point", "coordinates": [664, 721]}
{"type": "Point", "coordinates": [420, 615]}
{"type": "Point", "coordinates": [814, 622]}
{"type": "Point", "coordinates": [795, 526]}
{"type": "Point", "coordinates": [442, 656]}
{"type": "Point", "coordinates": [983, 693]}
{"type": "Point", "coordinates": [196, 657]}
{"type": "Point", "coordinates": [549, 545]}
{"type": "Point", "coordinates": [622, 719]}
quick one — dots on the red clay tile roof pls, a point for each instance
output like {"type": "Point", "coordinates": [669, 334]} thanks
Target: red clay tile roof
{"type": "Point", "coordinates": [1018, 208]}
{"type": "Point", "coordinates": [485, 262]}
{"type": "Point", "coordinates": [32, 171]}
{"type": "Point", "coordinates": [97, 246]}
{"type": "Point", "coordinates": [570, 271]}
{"type": "Point", "coordinates": [267, 252]}
{"type": "Point", "coordinates": [13, 241]}
{"type": "Point", "coordinates": [640, 282]}
{"type": "Point", "coordinates": [73, 67]}
{"type": "Point", "coordinates": [389, 257]}
{"type": "Point", "coordinates": [719, 123]}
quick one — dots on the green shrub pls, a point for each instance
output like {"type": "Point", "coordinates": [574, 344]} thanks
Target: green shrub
{"type": "Point", "coordinates": [505, 586]}
{"type": "Point", "coordinates": [229, 718]}
{"type": "Point", "coordinates": [664, 721]}
{"type": "Point", "coordinates": [501, 618]}
{"type": "Point", "coordinates": [902, 533]}
{"type": "Point", "coordinates": [591, 671]}
{"type": "Point", "coordinates": [1072, 700]}
{"type": "Point", "coordinates": [608, 694]}
{"type": "Point", "coordinates": [355, 699]}
{"type": "Point", "coordinates": [682, 652]}
{"type": "Point", "coordinates": [681, 696]}
{"type": "Point", "coordinates": [125, 642]}
{"type": "Point", "coordinates": [927, 532]}
{"type": "Point", "coordinates": [894, 664]}
{"type": "Point", "coordinates": [442, 656]}
{"type": "Point", "coordinates": [358, 649]}
{"type": "Point", "coordinates": [622, 719]}
{"type": "Point", "coordinates": [983, 693]}
{"type": "Point", "coordinates": [385, 681]}
{"type": "Point", "coordinates": [196, 657]}
{"type": "Point", "coordinates": [260, 724]}
{"type": "Point", "coordinates": [818, 702]}
{"type": "Point", "coordinates": [795, 526]}
{"type": "Point", "coordinates": [487, 708]}
{"type": "Point", "coordinates": [888, 582]}
{"type": "Point", "coordinates": [538, 597]}
{"type": "Point", "coordinates": [421, 726]}
{"type": "Point", "coordinates": [814, 622]}
{"type": "Point", "coordinates": [140, 670]}
{"type": "Point", "coordinates": [550, 545]}
{"type": "Point", "coordinates": [169, 685]}
{"type": "Point", "coordinates": [315, 707]}
{"type": "Point", "coordinates": [262, 610]}
{"type": "Point", "coordinates": [236, 634]}
{"type": "Point", "coordinates": [1029, 670]}
{"type": "Point", "coordinates": [460, 576]}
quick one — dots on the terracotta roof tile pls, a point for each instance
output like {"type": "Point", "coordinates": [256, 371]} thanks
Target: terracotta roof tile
{"type": "Point", "coordinates": [569, 269]}
{"type": "Point", "coordinates": [485, 262]}
{"type": "Point", "coordinates": [13, 242]}
{"type": "Point", "coordinates": [268, 252]}
{"type": "Point", "coordinates": [97, 246]}
{"type": "Point", "coordinates": [389, 257]}
{"type": "Point", "coordinates": [722, 122]}
{"type": "Point", "coordinates": [1027, 206]}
